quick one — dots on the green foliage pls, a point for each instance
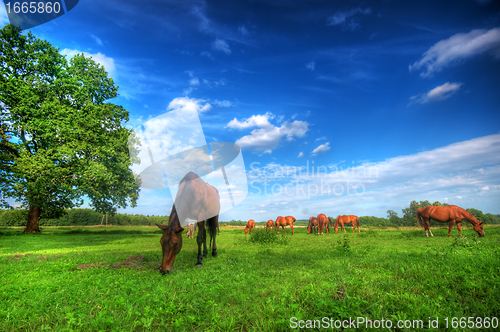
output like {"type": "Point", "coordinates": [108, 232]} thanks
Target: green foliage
{"type": "Point", "coordinates": [465, 242]}
{"type": "Point", "coordinates": [13, 217]}
{"type": "Point", "coordinates": [80, 217]}
{"type": "Point", "coordinates": [343, 244]}
{"type": "Point", "coordinates": [233, 223]}
{"type": "Point", "coordinates": [60, 136]}
{"type": "Point", "coordinates": [260, 235]}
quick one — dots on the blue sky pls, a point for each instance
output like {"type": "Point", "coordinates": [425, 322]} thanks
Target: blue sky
{"type": "Point", "coordinates": [392, 101]}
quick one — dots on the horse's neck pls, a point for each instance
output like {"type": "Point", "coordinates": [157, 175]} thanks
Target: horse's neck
{"type": "Point", "coordinates": [470, 217]}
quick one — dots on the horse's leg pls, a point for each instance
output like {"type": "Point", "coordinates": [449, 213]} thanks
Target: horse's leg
{"type": "Point", "coordinates": [200, 239]}
{"type": "Point", "coordinates": [428, 227]}
{"type": "Point", "coordinates": [284, 230]}
{"type": "Point", "coordinates": [459, 226]}
{"type": "Point", "coordinates": [450, 226]}
{"type": "Point", "coordinates": [291, 226]}
{"type": "Point", "coordinates": [214, 220]}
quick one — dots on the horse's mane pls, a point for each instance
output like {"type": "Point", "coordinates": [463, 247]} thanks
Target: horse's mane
{"type": "Point", "coordinates": [469, 216]}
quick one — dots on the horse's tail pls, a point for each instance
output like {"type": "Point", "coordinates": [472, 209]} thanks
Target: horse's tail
{"type": "Point", "coordinates": [420, 220]}
{"type": "Point", "coordinates": [330, 221]}
{"type": "Point", "coordinates": [212, 225]}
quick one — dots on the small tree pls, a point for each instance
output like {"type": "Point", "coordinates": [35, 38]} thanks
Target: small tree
{"type": "Point", "coordinates": [393, 217]}
{"type": "Point", "coordinates": [60, 137]}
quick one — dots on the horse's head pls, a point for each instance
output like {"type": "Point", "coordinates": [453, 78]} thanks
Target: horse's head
{"type": "Point", "coordinates": [171, 244]}
{"type": "Point", "coordinates": [479, 228]}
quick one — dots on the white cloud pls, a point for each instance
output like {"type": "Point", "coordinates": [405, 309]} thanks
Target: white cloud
{"type": "Point", "coordinates": [222, 103]}
{"type": "Point", "coordinates": [459, 197]}
{"type": "Point", "coordinates": [438, 93]}
{"type": "Point", "coordinates": [213, 83]}
{"type": "Point", "coordinates": [322, 148]}
{"type": "Point", "coordinates": [301, 154]}
{"type": "Point", "coordinates": [458, 47]}
{"type": "Point", "coordinates": [310, 65]}
{"type": "Point", "coordinates": [347, 20]}
{"type": "Point", "coordinates": [96, 39]}
{"type": "Point", "coordinates": [103, 60]}
{"type": "Point", "coordinates": [267, 136]}
{"type": "Point", "coordinates": [253, 121]}
{"type": "Point", "coordinates": [321, 138]}
{"type": "Point", "coordinates": [485, 188]}
{"type": "Point", "coordinates": [189, 104]}
{"type": "Point", "coordinates": [194, 81]}
{"type": "Point", "coordinates": [221, 45]}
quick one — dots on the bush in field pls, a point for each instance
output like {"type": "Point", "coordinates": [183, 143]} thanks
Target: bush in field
{"type": "Point", "coordinates": [343, 244]}
{"type": "Point", "coordinates": [260, 235]}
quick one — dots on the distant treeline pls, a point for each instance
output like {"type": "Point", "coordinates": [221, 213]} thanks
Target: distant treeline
{"type": "Point", "coordinates": [88, 217]}
{"type": "Point", "coordinates": [80, 217]}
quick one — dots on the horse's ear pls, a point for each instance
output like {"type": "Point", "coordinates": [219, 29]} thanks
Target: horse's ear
{"type": "Point", "coordinates": [162, 227]}
{"type": "Point", "coordinates": [179, 230]}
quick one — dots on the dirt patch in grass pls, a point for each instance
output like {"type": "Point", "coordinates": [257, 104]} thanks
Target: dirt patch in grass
{"type": "Point", "coordinates": [89, 265]}
{"type": "Point", "coordinates": [341, 292]}
{"type": "Point", "coordinates": [134, 262]}
{"type": "Point", "coordinates": [19, 256]}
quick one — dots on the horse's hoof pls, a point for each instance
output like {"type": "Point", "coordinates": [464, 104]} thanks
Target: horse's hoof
{"type": "Point", "coordinates": [215, 253]}
{"type": "Point", "coordinates": [199, 264]}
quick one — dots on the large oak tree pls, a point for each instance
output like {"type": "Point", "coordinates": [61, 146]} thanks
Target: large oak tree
{"type": "Point", "coordinates": [60, 137]}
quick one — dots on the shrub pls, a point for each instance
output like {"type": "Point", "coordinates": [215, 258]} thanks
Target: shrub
{"type": "Point", "coordinates": [260, 235]}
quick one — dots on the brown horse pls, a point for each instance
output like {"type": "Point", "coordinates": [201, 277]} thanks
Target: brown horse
{"type": "Point", "coordinates": [283, 221]}
{"type": "Point", "coordinates": [323, 223]}
{"type": "Point", "coordinates": [346, 220]}
{"type": "Point", "coordinates": [450, 213]}
{"type": "Point", "coordinates": [313, 225]}
{"type": "Point", "coordinates": [195, 200]}
{"type": "Point", "coordinates": [250, 225]}
{"type": "Point", "coordinates": [269, 225]}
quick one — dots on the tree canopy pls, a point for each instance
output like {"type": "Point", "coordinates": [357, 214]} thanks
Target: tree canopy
{"type": "Point", "coordinates": [60, 137]}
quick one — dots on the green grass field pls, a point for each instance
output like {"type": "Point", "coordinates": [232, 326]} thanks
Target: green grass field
{"type": "Point", "coordinates": [106, 279]}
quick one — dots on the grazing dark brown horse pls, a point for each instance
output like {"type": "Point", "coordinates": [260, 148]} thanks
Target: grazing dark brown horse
{"type": "Point", "coordinates": [451, 214]}
{"type": "Point", "coordinates": [313, 225]}
{"type": "Point", "coordinates": [346, 220]}
{"type": "Point", "coordinates": [283, 221]}
{"type": "Point", "coordinates": [323, 222]}
{"type": "Point", "coordinates": [195, 200]}
{"type": "Point", "coordinates": [269, 225]}
{"type": "Point", "coordinates": [250, 225]}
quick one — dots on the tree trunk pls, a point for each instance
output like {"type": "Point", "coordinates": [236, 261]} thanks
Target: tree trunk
{"type": "Point", "coordinates": [33, 221]}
